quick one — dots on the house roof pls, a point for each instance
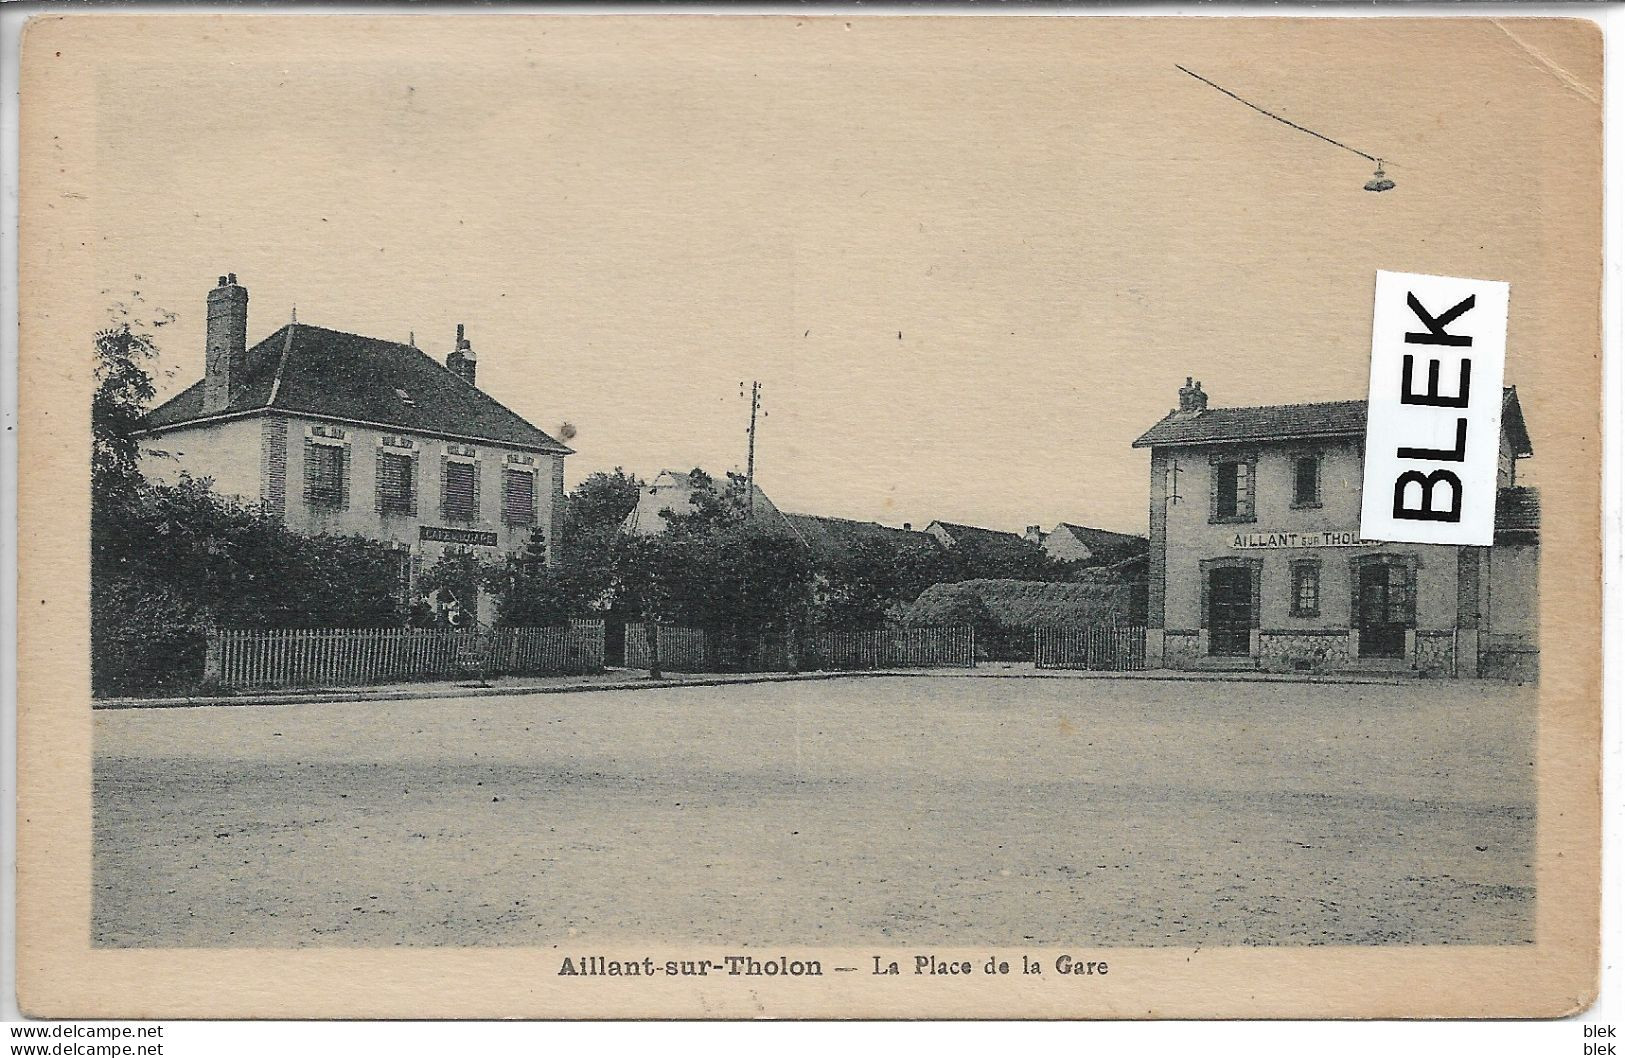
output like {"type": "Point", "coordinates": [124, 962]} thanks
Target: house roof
{"type": "Point", "coordinates": [674, 490]}
{"type": "Point", "coordinates": [1104, 540]}
{"type": "Point", "coordinates": [1512, 423]}
{"type": "Point", "coordinates": [1517, 510]}
{"type": "Point", "coordinates": [316, 371]}
{"type": "Point", "coordinates": [975, 532]}
{"type": "Point", "coordinates": [831, 539]}
{"type": "Point", "coordinates": [1272, 422]}
{"type": "Point", "coordinates": [1024, 603]}
{"type": "Point", "coordinates": [1283, 422]}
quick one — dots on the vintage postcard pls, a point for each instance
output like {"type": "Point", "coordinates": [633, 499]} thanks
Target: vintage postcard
{"type": "Point", "coordinates": [809, 517]}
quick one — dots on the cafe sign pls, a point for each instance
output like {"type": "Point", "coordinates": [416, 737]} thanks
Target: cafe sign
{"type": "Point", "coordinates": [474, 537]}
{"type": "Point", "coordinates": [1317, 538]}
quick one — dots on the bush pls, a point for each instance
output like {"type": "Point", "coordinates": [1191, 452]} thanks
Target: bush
{"type": "Point", "coordinates": [169, 562]}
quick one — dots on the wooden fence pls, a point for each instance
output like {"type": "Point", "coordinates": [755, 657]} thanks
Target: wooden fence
{"type": "Point", "coordinates": [339, 657]}
{"type": "Point", "coordinates": [681, 649]}
{"type": "Point", "coordinates": [893, 647]}
{"type": "Point", "coordinates": [1108, 647]}
{"type": "Point", "coordinates": [897, 646]}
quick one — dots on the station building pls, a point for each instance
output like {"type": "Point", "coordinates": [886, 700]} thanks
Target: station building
{"type": "Point", "coordinates": [344, 434]}
{"type": "Point", "coordinates": [1256, 560]}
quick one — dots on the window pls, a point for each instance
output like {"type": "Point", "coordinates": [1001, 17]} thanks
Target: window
{"type": "Point", "coordinates": [1306, 481]}
{"type": "Point", "coordinates": [518, 497]}
{"type": "Point", "coordinates": [324, 475]}
{"type": "Point", "coordinates": [460, 497]}
{"type": "Point", "coordinates": [1306, 589]}
{"type": "Point", "coordinates": [1233, 491]}
{"type": "Point", "coordinates": [397, 487]}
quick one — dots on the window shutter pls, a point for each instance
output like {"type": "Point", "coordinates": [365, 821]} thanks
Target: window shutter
{"type": "Point", "coordinates": [310, 473]}
{"type": "Point", "coordinates": [380, 479]}
{"type": "Point", "coordinates": [474, 468]}
{"type": "Point", "coordinates": [344, 476]}
{"type": "Point", "coordinates": [1255, 577]}
{"type": "Point", "coordinates": [518, 496]}
{"type": "Point", "coordinates": [445, 489]}
{"type": "Point", "coordinates": [412, 485]}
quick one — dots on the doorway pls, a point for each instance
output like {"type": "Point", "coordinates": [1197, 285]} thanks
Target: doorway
{"type": "Point", "coordinates": [1387, 607]}
{"type": "Point", "coordinates": [1230, 611]}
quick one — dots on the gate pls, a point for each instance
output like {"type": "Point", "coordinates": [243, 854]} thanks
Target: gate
{"type": "Point", "coordinates": [1103, 647]}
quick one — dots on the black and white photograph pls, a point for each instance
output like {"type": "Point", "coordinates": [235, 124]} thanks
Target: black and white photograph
{"type": "Point", "coordinates": [810, 517]}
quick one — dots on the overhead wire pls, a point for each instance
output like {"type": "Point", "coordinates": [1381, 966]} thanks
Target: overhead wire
{"type": "Point", "coordinates": [1379, 178]}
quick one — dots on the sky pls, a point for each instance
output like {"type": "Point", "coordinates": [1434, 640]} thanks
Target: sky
{"type": "Point", "coordinates": [969, 260]}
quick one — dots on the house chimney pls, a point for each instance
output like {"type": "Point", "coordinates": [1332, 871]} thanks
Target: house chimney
{"type": "Point", "coordinates": [1192, 401]}
{"type": "Point", "coordinates": [226, 347]}
{"type": "Point", "coordinates": [461, 361]}
{"type": "Point", "coordinates": [909, 526]}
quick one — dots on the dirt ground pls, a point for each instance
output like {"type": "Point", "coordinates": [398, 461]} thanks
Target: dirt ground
{"type": "Point", "coordinates": [884, 810]}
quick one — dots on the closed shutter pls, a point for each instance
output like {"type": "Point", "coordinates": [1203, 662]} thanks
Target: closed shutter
{"type": "Point", "coordinates": [460, 493]}
{"type": "Point", "coordinates": [327, 475]}
{"type": "Point", "coordinates": [412, 485]}
{"type": "Point", "coordinates": [344, 477]}
{"type": "Point", "coordinates": [312, 473]}
{"type": "Point", "coordinates": [518, 497]}
{"type": "Point", "coordinates": [397, 485]}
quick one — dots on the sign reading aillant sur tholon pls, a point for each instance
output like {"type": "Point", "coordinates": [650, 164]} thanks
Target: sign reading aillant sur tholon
{"type": "Point", "coordinates": [1433, 424]}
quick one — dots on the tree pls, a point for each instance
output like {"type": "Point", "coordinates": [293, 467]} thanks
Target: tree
{"type": "Point", "coordinates": [583, 575]}
{"type": "Point", "coordinates": [863, 586]}
{"type": "Point", "coordinates": [719, 568]}
{"type": "Point", "coordinates": [1016, 559]}
{"type": "Point", "coordinates": [648, 570]}
{"type": "Point", "coordinates": [528, 593]}
{"type": "Point", "coordinates": [124, 388]}
{"type": "Point", "coordinates": [597, 506]}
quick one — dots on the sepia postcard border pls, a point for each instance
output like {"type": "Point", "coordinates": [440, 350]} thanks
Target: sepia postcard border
{"type": "Point", "coordinates": [61, 973]}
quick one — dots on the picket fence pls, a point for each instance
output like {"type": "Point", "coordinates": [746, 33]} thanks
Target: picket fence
{"type": "Point", "coordinates": [1108, 647]}
{"type": "Point", "coordinates": [681, 649]}
{"type": "Point", "coordinates": [893, 647]}
{"type": "Point", "coordinates": [337, 657]}
{"type": "Point", "coordinates": [691, 650]}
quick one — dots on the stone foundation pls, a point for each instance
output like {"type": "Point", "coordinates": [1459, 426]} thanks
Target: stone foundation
{"type": "Point", "coordinates": [1304, 651]}
{"type": "Point", "coordinates": [1429, 652]}
{"type": "Point", "coordinates": [1435, 654]}
{"type": "Point", "coordinates": [1181, 650]}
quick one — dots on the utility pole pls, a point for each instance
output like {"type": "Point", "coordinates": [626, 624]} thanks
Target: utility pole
{"type": "Point", "coordinates": [750, 450]}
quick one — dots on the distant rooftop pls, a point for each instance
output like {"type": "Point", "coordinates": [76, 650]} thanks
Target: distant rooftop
{"type": "Point", "coordinates": [831, 539]}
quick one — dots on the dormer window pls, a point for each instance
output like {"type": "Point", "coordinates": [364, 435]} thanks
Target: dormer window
{"type": "Point", "coordinates": [406, 398]}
